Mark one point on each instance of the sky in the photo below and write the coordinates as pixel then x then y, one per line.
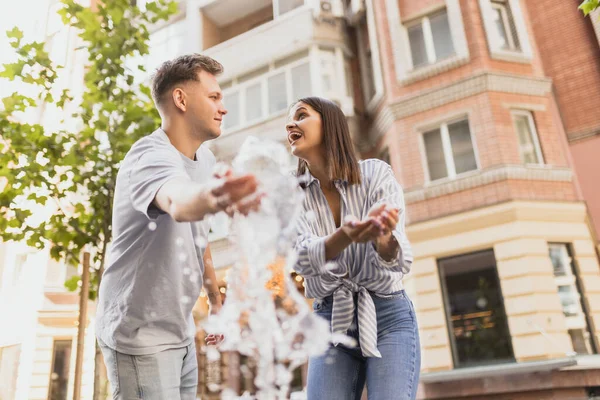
pixel 27 15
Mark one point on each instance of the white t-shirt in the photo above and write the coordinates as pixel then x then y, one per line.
pixel 155 265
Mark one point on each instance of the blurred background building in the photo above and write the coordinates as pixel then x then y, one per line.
pixel 487 112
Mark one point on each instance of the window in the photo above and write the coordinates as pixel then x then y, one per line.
pixel 430 39
pixel 301 84
pixel 364 42
pixel 506 31
pixel 59 377
pixel 232 104
pixel 277 93
pixel 474 304
pixel 568 288
pixel 529 146
pixel 257 96
pixel 449 150
pixel 369 58
pixel 505 26
pixel 328 70
pixel 253 97
pixel 9 368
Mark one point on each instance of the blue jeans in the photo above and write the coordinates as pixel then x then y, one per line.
pixel 341 372
pixel 168 375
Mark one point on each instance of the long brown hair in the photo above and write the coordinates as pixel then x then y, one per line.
pixel 339 152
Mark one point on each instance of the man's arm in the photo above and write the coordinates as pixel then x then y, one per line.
pixel 186 201
pixel 210 283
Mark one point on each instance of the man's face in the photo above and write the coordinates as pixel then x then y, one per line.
pixel 205 109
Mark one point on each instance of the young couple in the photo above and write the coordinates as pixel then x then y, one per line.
pixel 160 258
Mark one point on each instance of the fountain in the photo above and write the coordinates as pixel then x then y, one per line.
pixel 264 316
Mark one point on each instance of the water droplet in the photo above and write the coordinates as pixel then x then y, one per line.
pixel 179 241
pixel 310 216
pixel 212 354
pixel 185 299
pixel 152 226
pixel 200 242
pixel 213 387
pixel 182 257
pixel 186 271
pixel 152 314
pixel 208 281
pixel 329 360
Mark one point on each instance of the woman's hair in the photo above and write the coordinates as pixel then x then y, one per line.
pixel 339 152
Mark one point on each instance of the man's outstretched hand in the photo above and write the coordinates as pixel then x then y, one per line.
pixel 235 194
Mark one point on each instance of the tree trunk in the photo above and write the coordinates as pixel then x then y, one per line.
pixel 83 304
pixel 100 375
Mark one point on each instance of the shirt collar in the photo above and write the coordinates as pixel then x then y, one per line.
pixel 308 179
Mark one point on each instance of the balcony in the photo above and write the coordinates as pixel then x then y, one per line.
pixel 258 102
pixel 246 35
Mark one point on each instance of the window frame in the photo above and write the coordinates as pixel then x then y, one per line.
pixel 405 71
pixel 55 341
pixel 447 149
pixel 502 7
pixel 533 131
pixel 429 42
pixel 572 278
pixel 447 307
pixel 524 54
pixel 372 102
pixel 263 81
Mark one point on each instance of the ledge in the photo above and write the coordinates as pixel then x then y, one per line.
pixel 480 82
pixel 479 178
pixel 498 370
pixel 440 67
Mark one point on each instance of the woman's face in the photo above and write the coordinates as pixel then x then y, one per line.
pixel 304 131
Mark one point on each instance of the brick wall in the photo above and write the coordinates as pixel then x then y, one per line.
pixel 479 58
pixel 571 57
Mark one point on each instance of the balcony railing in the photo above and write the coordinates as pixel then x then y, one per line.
pixel 272 40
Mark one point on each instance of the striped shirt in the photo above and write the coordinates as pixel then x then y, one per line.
pixel 359 268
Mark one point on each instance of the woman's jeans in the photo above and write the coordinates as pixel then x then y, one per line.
pixel 341 372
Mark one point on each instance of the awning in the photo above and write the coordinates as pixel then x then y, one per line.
pixel 505 369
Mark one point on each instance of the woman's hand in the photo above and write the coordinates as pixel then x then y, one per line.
pixel 387 217
pixel 361 231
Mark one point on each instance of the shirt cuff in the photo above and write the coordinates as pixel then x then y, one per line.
pixel 396 261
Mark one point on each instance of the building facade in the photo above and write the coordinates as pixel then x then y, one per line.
pixel 39 316
pixel 477 119
pixel 484 109
pixel 475 103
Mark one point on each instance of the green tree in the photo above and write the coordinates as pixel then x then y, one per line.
pixel 587 6
pixel 74 171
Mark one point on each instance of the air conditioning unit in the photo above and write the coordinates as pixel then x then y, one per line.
pixel 331 8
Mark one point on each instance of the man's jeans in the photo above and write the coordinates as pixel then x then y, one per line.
pixel 340 373
pixel 168 375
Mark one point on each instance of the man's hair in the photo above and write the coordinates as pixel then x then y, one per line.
pixel 339 152
pixel 181 69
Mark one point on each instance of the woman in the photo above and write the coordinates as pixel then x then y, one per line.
pixel 353 252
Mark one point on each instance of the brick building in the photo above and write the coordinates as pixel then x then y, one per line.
pixel 487 117
pixel 485 109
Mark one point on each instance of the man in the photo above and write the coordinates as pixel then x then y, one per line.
pixel 159 257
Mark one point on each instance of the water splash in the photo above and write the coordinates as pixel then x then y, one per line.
pixel 264 316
